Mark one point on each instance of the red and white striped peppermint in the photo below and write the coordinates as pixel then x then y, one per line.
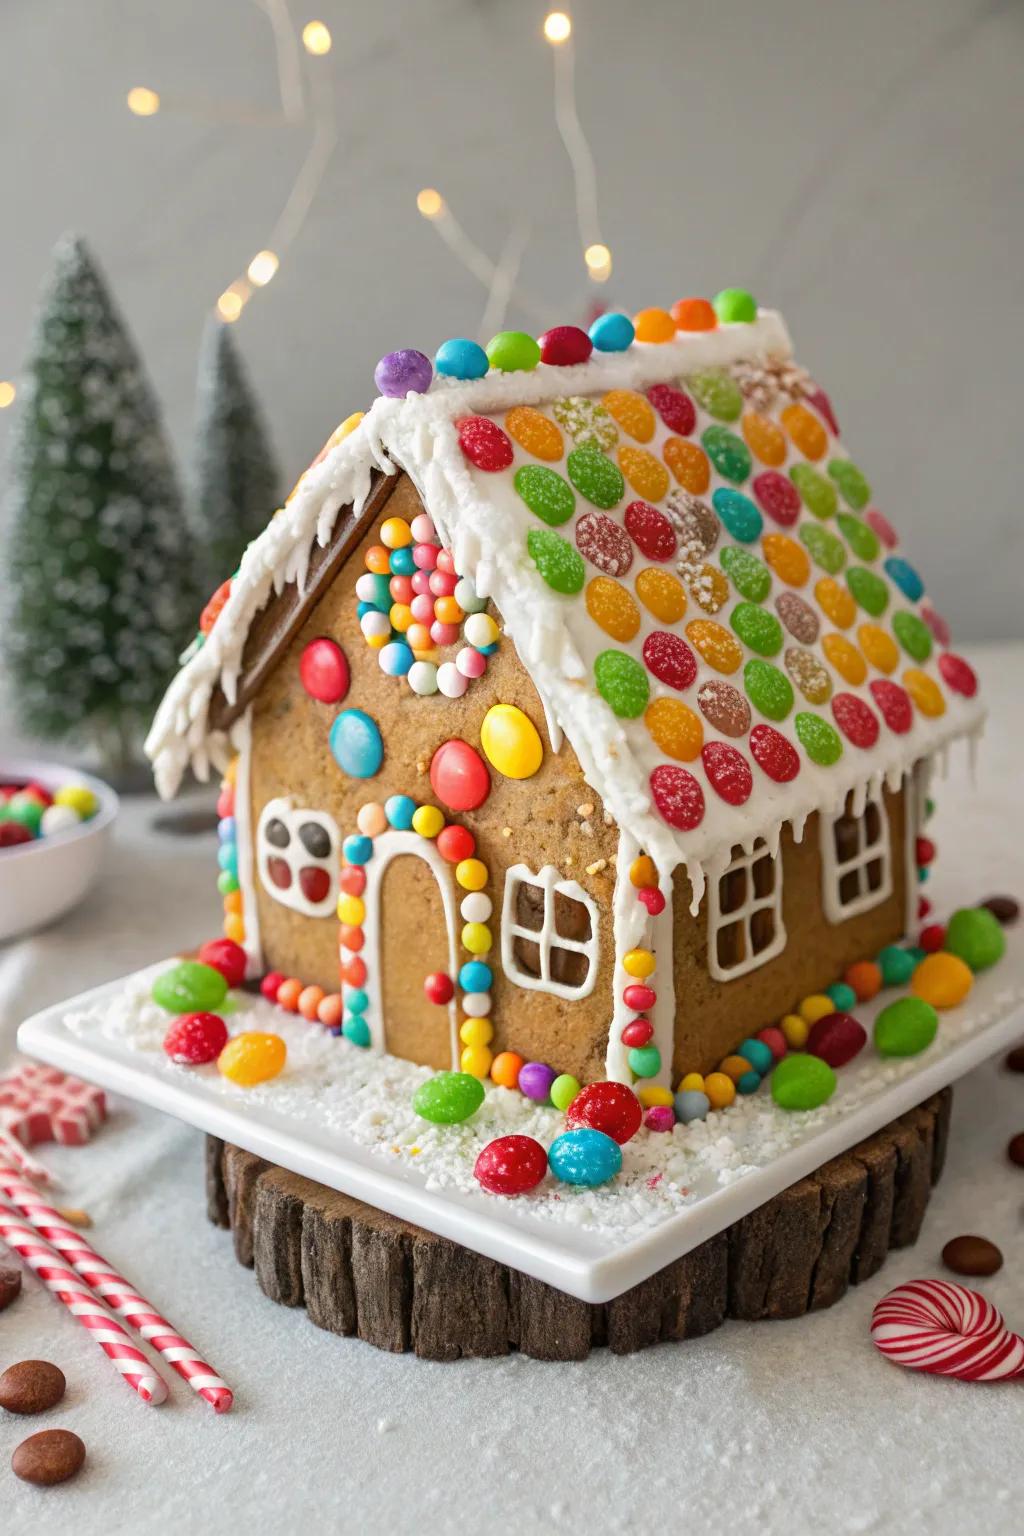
pixel 133 1365
pixel 39 1103
pixel 117 1292
pixel 936 1326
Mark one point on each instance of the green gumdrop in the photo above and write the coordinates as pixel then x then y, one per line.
pixel 513 352
pixel 595 476
pixel 644 1060
pixel 821 743
pixel 227 882
pixel 757 628
pixel 815 492
pixel 622 683
pixel 851 482
pixel 870 590
pixel 545 493
pixel 717 393
pixel 896 964
pixel 974 935
pixel 801 1081
pixel 560 565
pixel 728 453
pixel 26 810
pixel 913 634
pixel 563 1090
pixel 751 578
pixel 823 547
pixel 858 535
pixel 448 1098
pixel 191 987
pixel 906 1027
pixel 768 689
pixel 735 306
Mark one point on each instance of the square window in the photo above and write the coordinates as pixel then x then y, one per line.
pixel 745 927
pixel 549 937
pixel 856 859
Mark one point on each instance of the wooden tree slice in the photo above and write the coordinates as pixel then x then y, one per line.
pixel 361 1272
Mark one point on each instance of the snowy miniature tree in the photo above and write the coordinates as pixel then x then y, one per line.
pixel 236 482
pixel 102 593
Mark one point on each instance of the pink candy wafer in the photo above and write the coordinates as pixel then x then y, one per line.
pixel 945 1329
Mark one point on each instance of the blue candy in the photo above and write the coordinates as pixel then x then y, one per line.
pixel 750 1082
pixel 357 1001
pixel 401 562
pixel 355 742
pixel 612 333
pixel 356 1029
pixel 738 513
pixel 691 1104
pixel 226 829
pixel 395 659
pixel 357 849
pixel 460 358
pixel 843 996
pixel 758 1054
pixel 399 810
pixel 584 1157
pixel 905 577
pixel 476 976
pixel 227 858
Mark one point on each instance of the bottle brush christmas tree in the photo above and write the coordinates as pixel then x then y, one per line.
pixel 102 590
pixel 237 485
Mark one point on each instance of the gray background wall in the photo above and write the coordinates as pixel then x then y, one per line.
pixel 857 164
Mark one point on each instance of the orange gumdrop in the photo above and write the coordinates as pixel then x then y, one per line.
pixel 533 431
pixel 646 474
pixel 787 558
pixel 694 315
pixel 688 463
pixel 846 659
pixel 865 977
pixel 505 1069
pixel 806 431
pixel 654 325
pixel 764 439
pixel 632 412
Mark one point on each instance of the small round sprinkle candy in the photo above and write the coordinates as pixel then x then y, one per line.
pixel 735 306
pixel 511 1165
pixel 460 358
pixel 691 1104
pixel 586 1157
pixel 513 352
pixel 404 372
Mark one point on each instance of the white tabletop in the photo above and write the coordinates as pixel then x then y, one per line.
pixel 785 1427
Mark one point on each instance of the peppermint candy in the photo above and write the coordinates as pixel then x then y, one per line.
pixel 936 1326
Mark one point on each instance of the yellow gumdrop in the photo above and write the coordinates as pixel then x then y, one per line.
pixel 836 602
pixel 427 820
pixel 476 1060
pixel 661 594
pixel 806 431
pixel 534 432
pixel 787 558
pixel 395 533
pixel 632 412
pixel 925 692
pixel 764 439
pixel 477 938
pixel 693 1082
pixel 351 910
pixel 720 1089
pixel 476 1032
pixel 471 874
pixel 795 1029
pixel 675 729
pixel 715 644
pixel 612 608
pixel 234 927
pixel 816 1007
pixel 879 647
pixel 646 474
pixel 709 588
pixel 653 1095
pixel 846 659
pixel 638 962
pixel 511 742
pixel 688 463
pixel 252 1058
pixel 943 980
pixel 643 872
pixel 78 797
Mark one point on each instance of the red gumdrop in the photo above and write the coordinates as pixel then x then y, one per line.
pixel 211 613
pixel 858 723
pixel 638 1032
pixel 652 899
pixel 227 957
pixel 270 984
pixel 511 1165
pixel 894 704
pixel 932 938
pixel 676 410
pixel 438 988
pixel 670 659
pixel 639 996
pixel 196 1038
pixel 604 544
pixel 678 796
pixel 772 753
pixel 924 852
pixel 314 883
pixel 609 1107
pixel 323 670
pixel 484 444
pixel 881 525
pixel 728 772
pixel 455 843
pixel 458 776
pixel 650 530
pixel 836 1038
pixel 564 345
pixel 936 623
pixel 775 1040
pixel 353 879
pixel 12 833
pixel 777 496
pixel 958 675
pixel 823 405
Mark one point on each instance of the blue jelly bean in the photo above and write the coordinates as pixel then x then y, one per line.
pixel 399 810
pixel 401 562
pixel 356 744
pixel 460 358
pixel 357 849
pixel 226 829
pixel 357 1001
pixel 691 1104
pixel 476 976
pixel 750 1082
pixel 395 659
pixel 356 1029
pixel 584 1156
pixel 612 333
pixel 227 858
pixel 905 577
pixel 738 513
pixel 758 1054
pixel 844 997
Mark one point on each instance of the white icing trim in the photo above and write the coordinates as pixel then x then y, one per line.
pixel 833 871
pixel 717 919
pixel 297 856
pixel 245 843
pixel 913 807
pixel 387 846
pixel 629 923
pixel 546 937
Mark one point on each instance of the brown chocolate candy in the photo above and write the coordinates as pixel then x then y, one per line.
pixel 1005 909
pixel 10 1284
pixel 31 1386
pixel 50 1457
pixel 1015 1060
pixel 799 617
pixel 724 707
pixel 971 1255
pixel 1015 1149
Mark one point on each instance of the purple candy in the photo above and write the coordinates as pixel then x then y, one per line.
pixel 660 1117
pixel 535 1080
pixel 399 372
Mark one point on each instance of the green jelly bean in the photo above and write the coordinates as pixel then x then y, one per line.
pixel 896 964
pixel 870 590
pixel 560 565
pixel 622 683
pixel 735 306
pixel 545 493
pixel 728 453
pixel 801 1081
pixel 513 352
pixel 563 1090
pixel 974 935
pixel 906 1027
pixel 815 492
pixel 227 882
pixel 858 535
pixel 823 547
pixel 768 689
pixel 913 634
pixel 644 1060
pixel 851 482
pixel 190 987
pixel 717 393
pixel 821 743
pixel 448 1098
pixel 750 576
pixel 595 477
pixel 757 628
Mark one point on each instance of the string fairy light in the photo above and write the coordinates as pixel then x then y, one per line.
pixel 8 393
pixel 596 255
pixel 143 102
pixel 316 38
pixel 262 268
pixel 498 278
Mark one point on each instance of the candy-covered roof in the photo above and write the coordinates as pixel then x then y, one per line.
pixel 690 564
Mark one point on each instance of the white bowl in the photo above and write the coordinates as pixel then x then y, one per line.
pixel 41 880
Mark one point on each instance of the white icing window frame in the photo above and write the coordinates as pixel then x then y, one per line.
pixel 751 904
pixel 297 857
pixel 834 870
pixel 546 938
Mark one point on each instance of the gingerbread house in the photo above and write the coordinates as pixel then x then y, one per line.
pixel 580 710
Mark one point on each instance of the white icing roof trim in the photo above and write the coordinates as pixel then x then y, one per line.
pixel 418 435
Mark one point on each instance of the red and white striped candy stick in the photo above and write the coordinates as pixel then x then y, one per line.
pixel 117 1292
pixel 69 1288
pixel 19 1155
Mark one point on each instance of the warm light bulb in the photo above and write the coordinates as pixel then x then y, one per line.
pixel 232 302
pixel 557 27
pixel 142 101
pixel 430 202
pixel 599 262
pixel 7 394
pixel 262 268
pixel 316 38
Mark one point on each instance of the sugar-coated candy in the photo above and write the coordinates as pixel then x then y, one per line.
pixel 802 1081
pixel 715 644
pixel 735 306
pixel 612 608
pixel 661 594
pixel 677 795
pixel 738 513
pixel 768 689
pixel 660 1117
pixel 724 707
pixel 799 617
pixel 585 1157
pixel 611 1108
pixel 925 692
pixel 652 325
pixel 861 539
pixel 766 441
pixel 252 1058
pixel 846 658
pixel 691 1104
pixel 675 729
pixel 806 431
pixel 356 744
pixel 757 628
pixel 632 412
pixel 718 393
pixel 808 674
pixel 694 315
pixel 836 1038
pixel 511 742
pixel 773 754
pixel 604 543
pixel 556 560
pixel 484 444
pixel 728 772
pixel 852 484
pixel 196 1038
pixel 460 358
pixel 728 453
pixel 227 957
pixel 958 675
pixel 622 683
pixel 975 936
pixel 534 432
pixel 674 407
pixel 564 345
pixel 906 1027
pixel 688 463
pixel 448 1098
pixel 650 530
pixel 403 372
pixel 816 493
pixel 669 659
pixel 190 987
pixel 870 591
pixel 595 476
pixel 818 739
pixel 748 575
pixel 511 1165
pixel 879 647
